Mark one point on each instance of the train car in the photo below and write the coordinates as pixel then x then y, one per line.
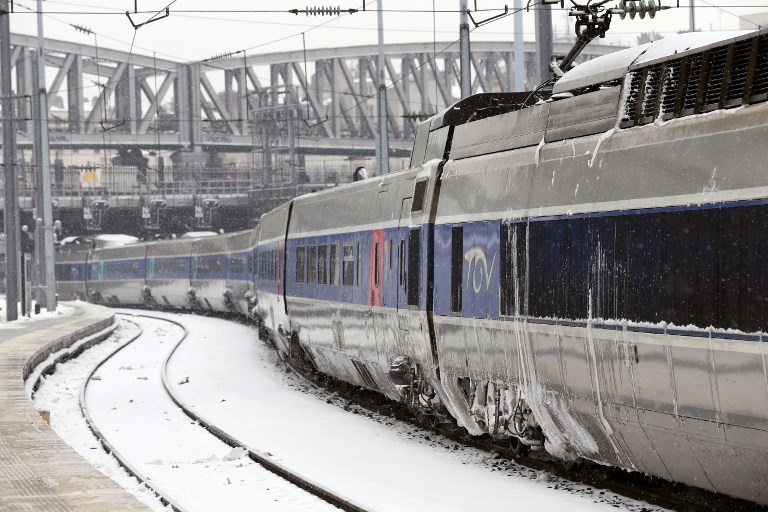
pixel 240 292
pixel 116 275
pixel 169 269
pixel 71 270
pixel 357 278
pixel 208 280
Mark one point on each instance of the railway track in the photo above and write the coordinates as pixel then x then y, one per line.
pixel 326 495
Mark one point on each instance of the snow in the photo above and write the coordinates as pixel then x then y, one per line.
pixel 61 310
pixel 683 42
pixel 198 234
pixel 238 383
pixel 113 240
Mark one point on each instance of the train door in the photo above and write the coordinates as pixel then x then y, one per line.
pixel 402 261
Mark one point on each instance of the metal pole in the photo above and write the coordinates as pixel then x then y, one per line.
pixel 544 40
pixel 383 148
pixel 290 103
pixel 519 47
pixel 693 18
pixel 466 74
pixel 12 240
pixel 44 221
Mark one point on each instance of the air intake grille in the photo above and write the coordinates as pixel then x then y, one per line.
pixel 650 94
pixel 738 77
pixel 720 77
pixel 669 89
pixel 632 84
pixel 692 85
pixel 717 66
pixel 365 374
pixel 760 81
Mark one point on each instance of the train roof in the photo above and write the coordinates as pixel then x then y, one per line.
pixel 615 65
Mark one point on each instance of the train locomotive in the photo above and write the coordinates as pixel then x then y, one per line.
pixel 582 271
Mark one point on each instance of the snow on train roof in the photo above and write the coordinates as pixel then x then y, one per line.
pixel 614 65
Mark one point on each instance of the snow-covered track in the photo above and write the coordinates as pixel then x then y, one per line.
pixel 323 493
pixel 165 498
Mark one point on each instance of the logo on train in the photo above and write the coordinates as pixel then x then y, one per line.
pixel 478 271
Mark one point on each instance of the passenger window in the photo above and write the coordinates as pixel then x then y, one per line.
pixel 349 265
pixel 300 264
pixel 334 265
pixel 322 264
pixel 457 262
pixel 311 264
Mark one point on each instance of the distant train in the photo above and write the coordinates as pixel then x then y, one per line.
pixel 588 273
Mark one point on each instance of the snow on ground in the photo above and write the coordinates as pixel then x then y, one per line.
pixel 238 383
pixel 59 394
pixel 129 406
pixel 61 309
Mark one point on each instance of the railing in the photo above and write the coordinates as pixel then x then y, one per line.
pixel 91 181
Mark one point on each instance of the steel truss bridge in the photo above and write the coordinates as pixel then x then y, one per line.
pixel 101 98
pixel 147 102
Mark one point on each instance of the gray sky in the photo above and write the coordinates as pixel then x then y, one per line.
pixel 198 29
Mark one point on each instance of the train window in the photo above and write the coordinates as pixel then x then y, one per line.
pixel 376 265
pixel 457 262
pixel 348 265
pixel 311 264
pixel 414 256
pixel 62 272
pixel 170 267
pixel 300 263
pixel 121 270
pixel 358 259
pixel 322 264
pixel 210 266
pixel 419 194
pixel 334 264
pixel 274 265
pixel 236 265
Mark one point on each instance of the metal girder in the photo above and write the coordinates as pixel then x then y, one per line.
pixel 338 96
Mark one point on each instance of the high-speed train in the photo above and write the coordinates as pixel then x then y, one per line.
pixel 587 272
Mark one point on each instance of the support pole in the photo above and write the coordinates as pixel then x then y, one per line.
pixel 544 40
pixel 382 153
pixel 43 201
pixel 466 75
pixel 519 47
pixel 693 17
pixel 290 104
pixel 12 231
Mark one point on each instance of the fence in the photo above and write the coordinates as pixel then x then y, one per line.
pixel 181 180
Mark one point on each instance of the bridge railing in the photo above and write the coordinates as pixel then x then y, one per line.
pixel 93 181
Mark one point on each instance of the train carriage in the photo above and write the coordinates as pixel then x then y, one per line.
pixel 208 281
pixel 169 268
pixel 116 274
pixel 240 292
pixel 71 271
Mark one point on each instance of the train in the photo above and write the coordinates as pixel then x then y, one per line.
pixel 584 270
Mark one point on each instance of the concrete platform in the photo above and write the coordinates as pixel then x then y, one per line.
pixel 38 470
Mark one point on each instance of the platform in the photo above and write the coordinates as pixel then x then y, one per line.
pixel 38 470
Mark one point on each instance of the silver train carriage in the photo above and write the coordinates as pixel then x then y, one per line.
pixel 584 273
